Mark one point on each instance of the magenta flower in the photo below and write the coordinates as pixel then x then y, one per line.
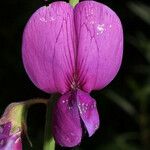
pixel 9 141
pixel 73 51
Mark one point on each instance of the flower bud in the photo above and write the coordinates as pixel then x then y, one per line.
pixel 8 140
pixel 11 127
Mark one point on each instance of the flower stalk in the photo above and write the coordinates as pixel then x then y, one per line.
pixel 49 143
pixel 73 2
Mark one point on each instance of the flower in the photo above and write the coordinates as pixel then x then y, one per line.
pixel 9 141
pixel 73 51
pixel 12 123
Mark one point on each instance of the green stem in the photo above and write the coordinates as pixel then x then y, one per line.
pixel 73 2
pixel 36 101
pixel 49 143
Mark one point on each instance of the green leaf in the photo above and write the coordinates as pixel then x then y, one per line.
pixel 49 143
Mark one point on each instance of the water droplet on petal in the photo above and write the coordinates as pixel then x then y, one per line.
pixel 65 101
pixel 69 108
pixel 43 19
pixel 100 28
pixel 96 126
pixel 92 22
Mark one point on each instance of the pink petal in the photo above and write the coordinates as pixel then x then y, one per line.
pixel 88 111
pixel 18 144
pixel 48 47
pixel 66 125
pixel 100 44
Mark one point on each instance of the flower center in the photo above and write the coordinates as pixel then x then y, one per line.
pixel 75 84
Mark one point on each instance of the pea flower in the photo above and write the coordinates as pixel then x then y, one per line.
pixel 9 141
pixel 73 51
pixel 11 127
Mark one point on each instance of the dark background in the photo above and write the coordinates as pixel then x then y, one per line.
pixel 124 105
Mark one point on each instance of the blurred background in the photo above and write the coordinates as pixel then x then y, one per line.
pixel 124 105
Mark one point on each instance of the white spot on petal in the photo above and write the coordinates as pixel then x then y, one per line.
pixel 96 126
pixel 100 28
pixel 43 19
